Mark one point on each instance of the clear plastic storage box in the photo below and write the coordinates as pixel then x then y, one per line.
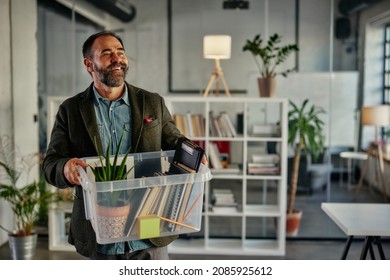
pixel 147 204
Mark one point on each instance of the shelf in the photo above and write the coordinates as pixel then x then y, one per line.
pixel 265 247
pixel 262 210
pixel 254 111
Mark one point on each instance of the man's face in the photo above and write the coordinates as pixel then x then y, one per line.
pixel 109 62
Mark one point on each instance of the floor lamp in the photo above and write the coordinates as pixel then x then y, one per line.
pixel 217 47
pixel 377 116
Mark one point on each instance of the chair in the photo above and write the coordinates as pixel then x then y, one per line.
pixel 312 175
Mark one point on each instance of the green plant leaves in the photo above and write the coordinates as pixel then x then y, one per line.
pixel 114 171
pixel 306 127
pixel 270 55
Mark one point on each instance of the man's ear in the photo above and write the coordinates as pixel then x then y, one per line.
pixel 88 64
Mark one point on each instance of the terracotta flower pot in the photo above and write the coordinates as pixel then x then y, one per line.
pixel 267 86
pixel 293 221
pixel 112 220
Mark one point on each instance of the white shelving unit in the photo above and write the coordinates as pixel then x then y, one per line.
pixel 259 225
pixel 260 221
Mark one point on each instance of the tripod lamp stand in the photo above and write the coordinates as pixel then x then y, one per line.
pixel 377 116
pixel 216 47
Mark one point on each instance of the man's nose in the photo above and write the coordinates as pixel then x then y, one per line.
pixel 116 58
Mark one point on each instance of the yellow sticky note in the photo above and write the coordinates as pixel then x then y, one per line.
pixel 149 226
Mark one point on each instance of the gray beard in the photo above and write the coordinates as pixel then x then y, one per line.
pixel 110 79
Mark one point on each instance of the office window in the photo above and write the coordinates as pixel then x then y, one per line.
pixel 386 70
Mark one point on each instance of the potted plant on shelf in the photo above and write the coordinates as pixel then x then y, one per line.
pixel 25 200
pixel 305 135
pixel 268 57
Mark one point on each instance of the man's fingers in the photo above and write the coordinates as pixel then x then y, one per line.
pixel 70 170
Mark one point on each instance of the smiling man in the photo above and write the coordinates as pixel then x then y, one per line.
pixel 101 112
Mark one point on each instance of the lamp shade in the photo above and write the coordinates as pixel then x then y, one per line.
pixel 217 46
pixel 376 115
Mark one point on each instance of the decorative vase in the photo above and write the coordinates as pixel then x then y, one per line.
pixel 293 221
pixel 267 86
pixel 112 220
pixel 23 247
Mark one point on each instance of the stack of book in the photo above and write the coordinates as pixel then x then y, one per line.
pixel 223 201
pixel 221 125
pixel 262 130
pixel 264 164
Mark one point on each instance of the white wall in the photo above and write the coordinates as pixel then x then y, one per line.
pixel 19 80
pixel 5 96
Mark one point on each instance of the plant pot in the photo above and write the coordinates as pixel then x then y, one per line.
pixel 267 86
pixel 112 220
pixel 293 221
pixel 23 247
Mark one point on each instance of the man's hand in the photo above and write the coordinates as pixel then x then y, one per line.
pixel 70 171
pixel 204 160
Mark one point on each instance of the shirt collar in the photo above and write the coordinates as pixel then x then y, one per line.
pixel 124 97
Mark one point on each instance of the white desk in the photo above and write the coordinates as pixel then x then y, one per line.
pixel 361 219
pixel 350 156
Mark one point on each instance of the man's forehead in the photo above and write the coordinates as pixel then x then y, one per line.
pixel 107 42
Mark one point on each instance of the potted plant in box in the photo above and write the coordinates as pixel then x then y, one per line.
pixel 268 57
pixel 305 134
pixel 112 205
pixel 25 200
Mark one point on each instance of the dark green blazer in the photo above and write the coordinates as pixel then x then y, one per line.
pixel 73 135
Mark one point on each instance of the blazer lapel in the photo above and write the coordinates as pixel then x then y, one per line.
pixel 87 111
pixel 137 104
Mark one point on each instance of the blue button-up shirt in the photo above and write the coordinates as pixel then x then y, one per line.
pixel 112 117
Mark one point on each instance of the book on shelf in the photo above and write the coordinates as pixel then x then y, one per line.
pixel 180 123
pixel 223 197
pixel 224 209
pixel 190 125
pixel 265 158
pixel 195 125
pixel 229 127
pixel 221 125
pixel 215 156
pixel 265 130
pixel 231 169
pixel 263 168
pixel 223 201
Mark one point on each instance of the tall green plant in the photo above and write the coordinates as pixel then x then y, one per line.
pixel 107 171
pixel 111 172
pixel 305 135
pixel 270 55
pixel 25 201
